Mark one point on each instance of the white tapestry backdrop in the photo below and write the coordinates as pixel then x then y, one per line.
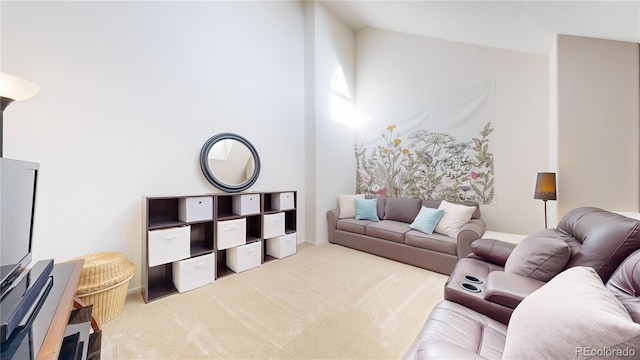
pixel 433 148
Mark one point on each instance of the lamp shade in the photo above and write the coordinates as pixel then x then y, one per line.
pixel 545 186
pixel 14 88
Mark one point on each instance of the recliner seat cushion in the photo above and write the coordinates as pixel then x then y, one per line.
pixel 454 331
pixel 568 316
pixel 539 256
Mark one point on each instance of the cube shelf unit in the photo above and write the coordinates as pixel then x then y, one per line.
pixel 224 211
pixel 163 213
pixel 290 218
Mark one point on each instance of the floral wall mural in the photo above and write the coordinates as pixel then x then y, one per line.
pixel 434 164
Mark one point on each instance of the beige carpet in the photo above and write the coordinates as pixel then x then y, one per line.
pixel 325 302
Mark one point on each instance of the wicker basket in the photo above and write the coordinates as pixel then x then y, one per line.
pixel 104 282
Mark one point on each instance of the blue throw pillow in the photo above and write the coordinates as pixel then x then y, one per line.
pixel 367 209
pixel 426 220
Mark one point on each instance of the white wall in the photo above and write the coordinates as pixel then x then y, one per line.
pixel 130 91
pixel 598 86
pixel 394 67
pixel 330 143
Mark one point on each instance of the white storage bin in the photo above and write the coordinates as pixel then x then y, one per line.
pixel 283 201
pixel 246 204
pixel 231 233
pixel 244 257
pixel 282 246
pixel 193 273
pixel 168 245
pixel 195 208
pixel 272 225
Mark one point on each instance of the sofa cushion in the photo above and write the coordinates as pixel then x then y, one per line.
pixel 347 205
pixel 435 242
pixel 436 203
pixel 366 209
pixel 453 218
pixel 539 256
pixel 402 209
pixel 426 220
pixel 570 316
pixel 388 230
pixel 453 331
pixel 353 225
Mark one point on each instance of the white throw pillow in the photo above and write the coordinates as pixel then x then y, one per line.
pixel 453 218
pixel 347 205
pixel 572 316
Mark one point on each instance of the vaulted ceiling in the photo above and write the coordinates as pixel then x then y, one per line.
pixel 528 26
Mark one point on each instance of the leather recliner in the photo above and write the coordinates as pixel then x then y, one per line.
pixel 454 331
pixel 597 238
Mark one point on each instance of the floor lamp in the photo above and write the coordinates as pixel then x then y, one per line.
pixel 13 89
pixel 545 190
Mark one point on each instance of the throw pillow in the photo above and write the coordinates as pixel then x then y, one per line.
pixel 426 220
pixel 367 209
pixel 453 218
pixel 571 316
pixel 539 256
pixel 347 205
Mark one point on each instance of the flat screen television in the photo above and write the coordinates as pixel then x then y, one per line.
pixel 18 183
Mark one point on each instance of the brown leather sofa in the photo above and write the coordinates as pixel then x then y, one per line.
pixel 590 237
pixel 473 325
pixel 391 237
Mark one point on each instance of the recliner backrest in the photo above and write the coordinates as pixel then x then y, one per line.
pixel 625 285
pixel 598 238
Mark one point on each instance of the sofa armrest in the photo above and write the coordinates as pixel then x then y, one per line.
pixel 469 232
pixel 492 250
pixel 509 289
pixel 332 223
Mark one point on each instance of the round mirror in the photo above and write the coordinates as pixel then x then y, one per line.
pixel 229 162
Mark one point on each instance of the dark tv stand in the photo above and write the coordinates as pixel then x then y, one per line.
pixel 43 336
pixel 19 302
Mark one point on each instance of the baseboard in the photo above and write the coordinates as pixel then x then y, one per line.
pixel 134 290
pixel 315 242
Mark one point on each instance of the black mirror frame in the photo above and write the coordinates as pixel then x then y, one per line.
pixel 208 174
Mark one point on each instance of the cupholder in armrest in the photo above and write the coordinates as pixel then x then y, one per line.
pixel 470 287
pixel 472 279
